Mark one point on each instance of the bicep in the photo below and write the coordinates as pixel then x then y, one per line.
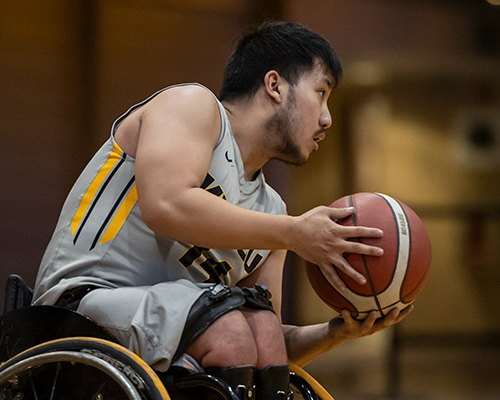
pixel 178 133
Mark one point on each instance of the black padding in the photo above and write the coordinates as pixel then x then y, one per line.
pixel 272 382
pixel 29 326
pixel 17 294
pixel 240 379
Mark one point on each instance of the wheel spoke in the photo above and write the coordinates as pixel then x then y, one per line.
pixel 30 376
pixel 97 395
pixel 55 381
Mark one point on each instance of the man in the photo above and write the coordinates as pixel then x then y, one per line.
pixel 172 240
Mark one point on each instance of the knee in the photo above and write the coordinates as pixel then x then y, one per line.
pixel 268 335
pixel 228 342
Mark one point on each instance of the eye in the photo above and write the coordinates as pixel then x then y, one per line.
pixel 322 93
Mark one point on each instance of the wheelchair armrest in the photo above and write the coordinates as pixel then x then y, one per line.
pixel 17 294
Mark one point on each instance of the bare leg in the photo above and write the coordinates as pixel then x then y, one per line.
pixel 246 337
pixel 268 336
pixel 228 342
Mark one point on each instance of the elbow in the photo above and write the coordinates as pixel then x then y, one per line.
pixel 158 218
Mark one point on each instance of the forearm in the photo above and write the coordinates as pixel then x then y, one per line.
pixel 306 343
pixel 200 218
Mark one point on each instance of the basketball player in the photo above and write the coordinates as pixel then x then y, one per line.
pixel 173 241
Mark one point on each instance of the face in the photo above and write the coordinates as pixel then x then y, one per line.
pixel 300 124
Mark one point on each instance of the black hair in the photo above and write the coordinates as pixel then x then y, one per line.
pixel 286 47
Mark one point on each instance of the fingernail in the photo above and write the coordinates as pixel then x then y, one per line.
pixel 380 252
pixel 349 209
pixel 362 280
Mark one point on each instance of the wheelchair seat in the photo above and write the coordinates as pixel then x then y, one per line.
pixel 48 352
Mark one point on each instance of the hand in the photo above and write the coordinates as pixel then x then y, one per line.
pixel 345 327
pixel 323 242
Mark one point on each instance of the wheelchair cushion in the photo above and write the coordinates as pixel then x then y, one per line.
pixel 17 294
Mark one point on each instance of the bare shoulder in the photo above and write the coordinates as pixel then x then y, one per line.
pixel 189 107
pixel 194 101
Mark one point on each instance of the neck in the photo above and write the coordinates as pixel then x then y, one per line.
pixel 248 127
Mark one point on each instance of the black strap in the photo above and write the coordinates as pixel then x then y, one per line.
pixel 213 304
pixel 70 299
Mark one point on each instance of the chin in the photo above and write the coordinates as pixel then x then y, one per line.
pixel 297 161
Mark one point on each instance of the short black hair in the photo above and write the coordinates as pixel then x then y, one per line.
pixel 286 47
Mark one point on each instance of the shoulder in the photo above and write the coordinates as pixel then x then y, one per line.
pixel 187 97
pixel 184 106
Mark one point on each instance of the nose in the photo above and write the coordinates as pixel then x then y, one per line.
pixel 325 119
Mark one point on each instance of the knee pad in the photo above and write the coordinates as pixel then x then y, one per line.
pixel 213 304
pixel 240 379
pixel 272 383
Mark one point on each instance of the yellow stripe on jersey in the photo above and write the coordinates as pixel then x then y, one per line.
pixel 120 216
pixel 113 158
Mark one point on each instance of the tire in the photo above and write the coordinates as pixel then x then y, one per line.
pixel 80 368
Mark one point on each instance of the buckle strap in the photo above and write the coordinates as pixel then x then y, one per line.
pixel 213 303
pixel 71 298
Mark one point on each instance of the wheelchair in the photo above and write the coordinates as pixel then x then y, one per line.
pixel 51 353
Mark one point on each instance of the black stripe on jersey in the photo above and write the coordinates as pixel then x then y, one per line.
pixel 98 195
pixel 112 211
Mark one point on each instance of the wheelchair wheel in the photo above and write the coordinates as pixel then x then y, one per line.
pixel 79 368
pixel 304 386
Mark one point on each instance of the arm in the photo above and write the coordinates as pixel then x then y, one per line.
pixel 270 275
pixel 306 343
pixel 178 131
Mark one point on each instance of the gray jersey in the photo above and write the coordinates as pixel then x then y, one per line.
pixel 101 239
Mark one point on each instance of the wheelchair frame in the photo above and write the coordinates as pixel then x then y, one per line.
pixel 49 353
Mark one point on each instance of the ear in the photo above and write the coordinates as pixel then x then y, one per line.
pixel 272 84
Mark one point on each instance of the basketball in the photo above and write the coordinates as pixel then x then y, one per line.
pixel 393 280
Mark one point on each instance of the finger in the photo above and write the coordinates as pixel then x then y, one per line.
pixel 360 248
pixel 339 213
pixel 350 323
pixel 360 231
pixel 348 318
pixel 390 319
pixel 404 313
pixel 332 277
pixel 342 264
pixel 369 321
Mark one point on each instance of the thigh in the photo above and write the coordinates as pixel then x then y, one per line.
pixel 148 320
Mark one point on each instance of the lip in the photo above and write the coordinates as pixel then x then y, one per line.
pixel 320 135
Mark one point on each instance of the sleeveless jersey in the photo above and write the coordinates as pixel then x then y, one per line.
pixel 101 239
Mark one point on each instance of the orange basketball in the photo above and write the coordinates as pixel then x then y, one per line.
pixel 393 280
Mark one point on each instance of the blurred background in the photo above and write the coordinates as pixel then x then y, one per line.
pixel 417 117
